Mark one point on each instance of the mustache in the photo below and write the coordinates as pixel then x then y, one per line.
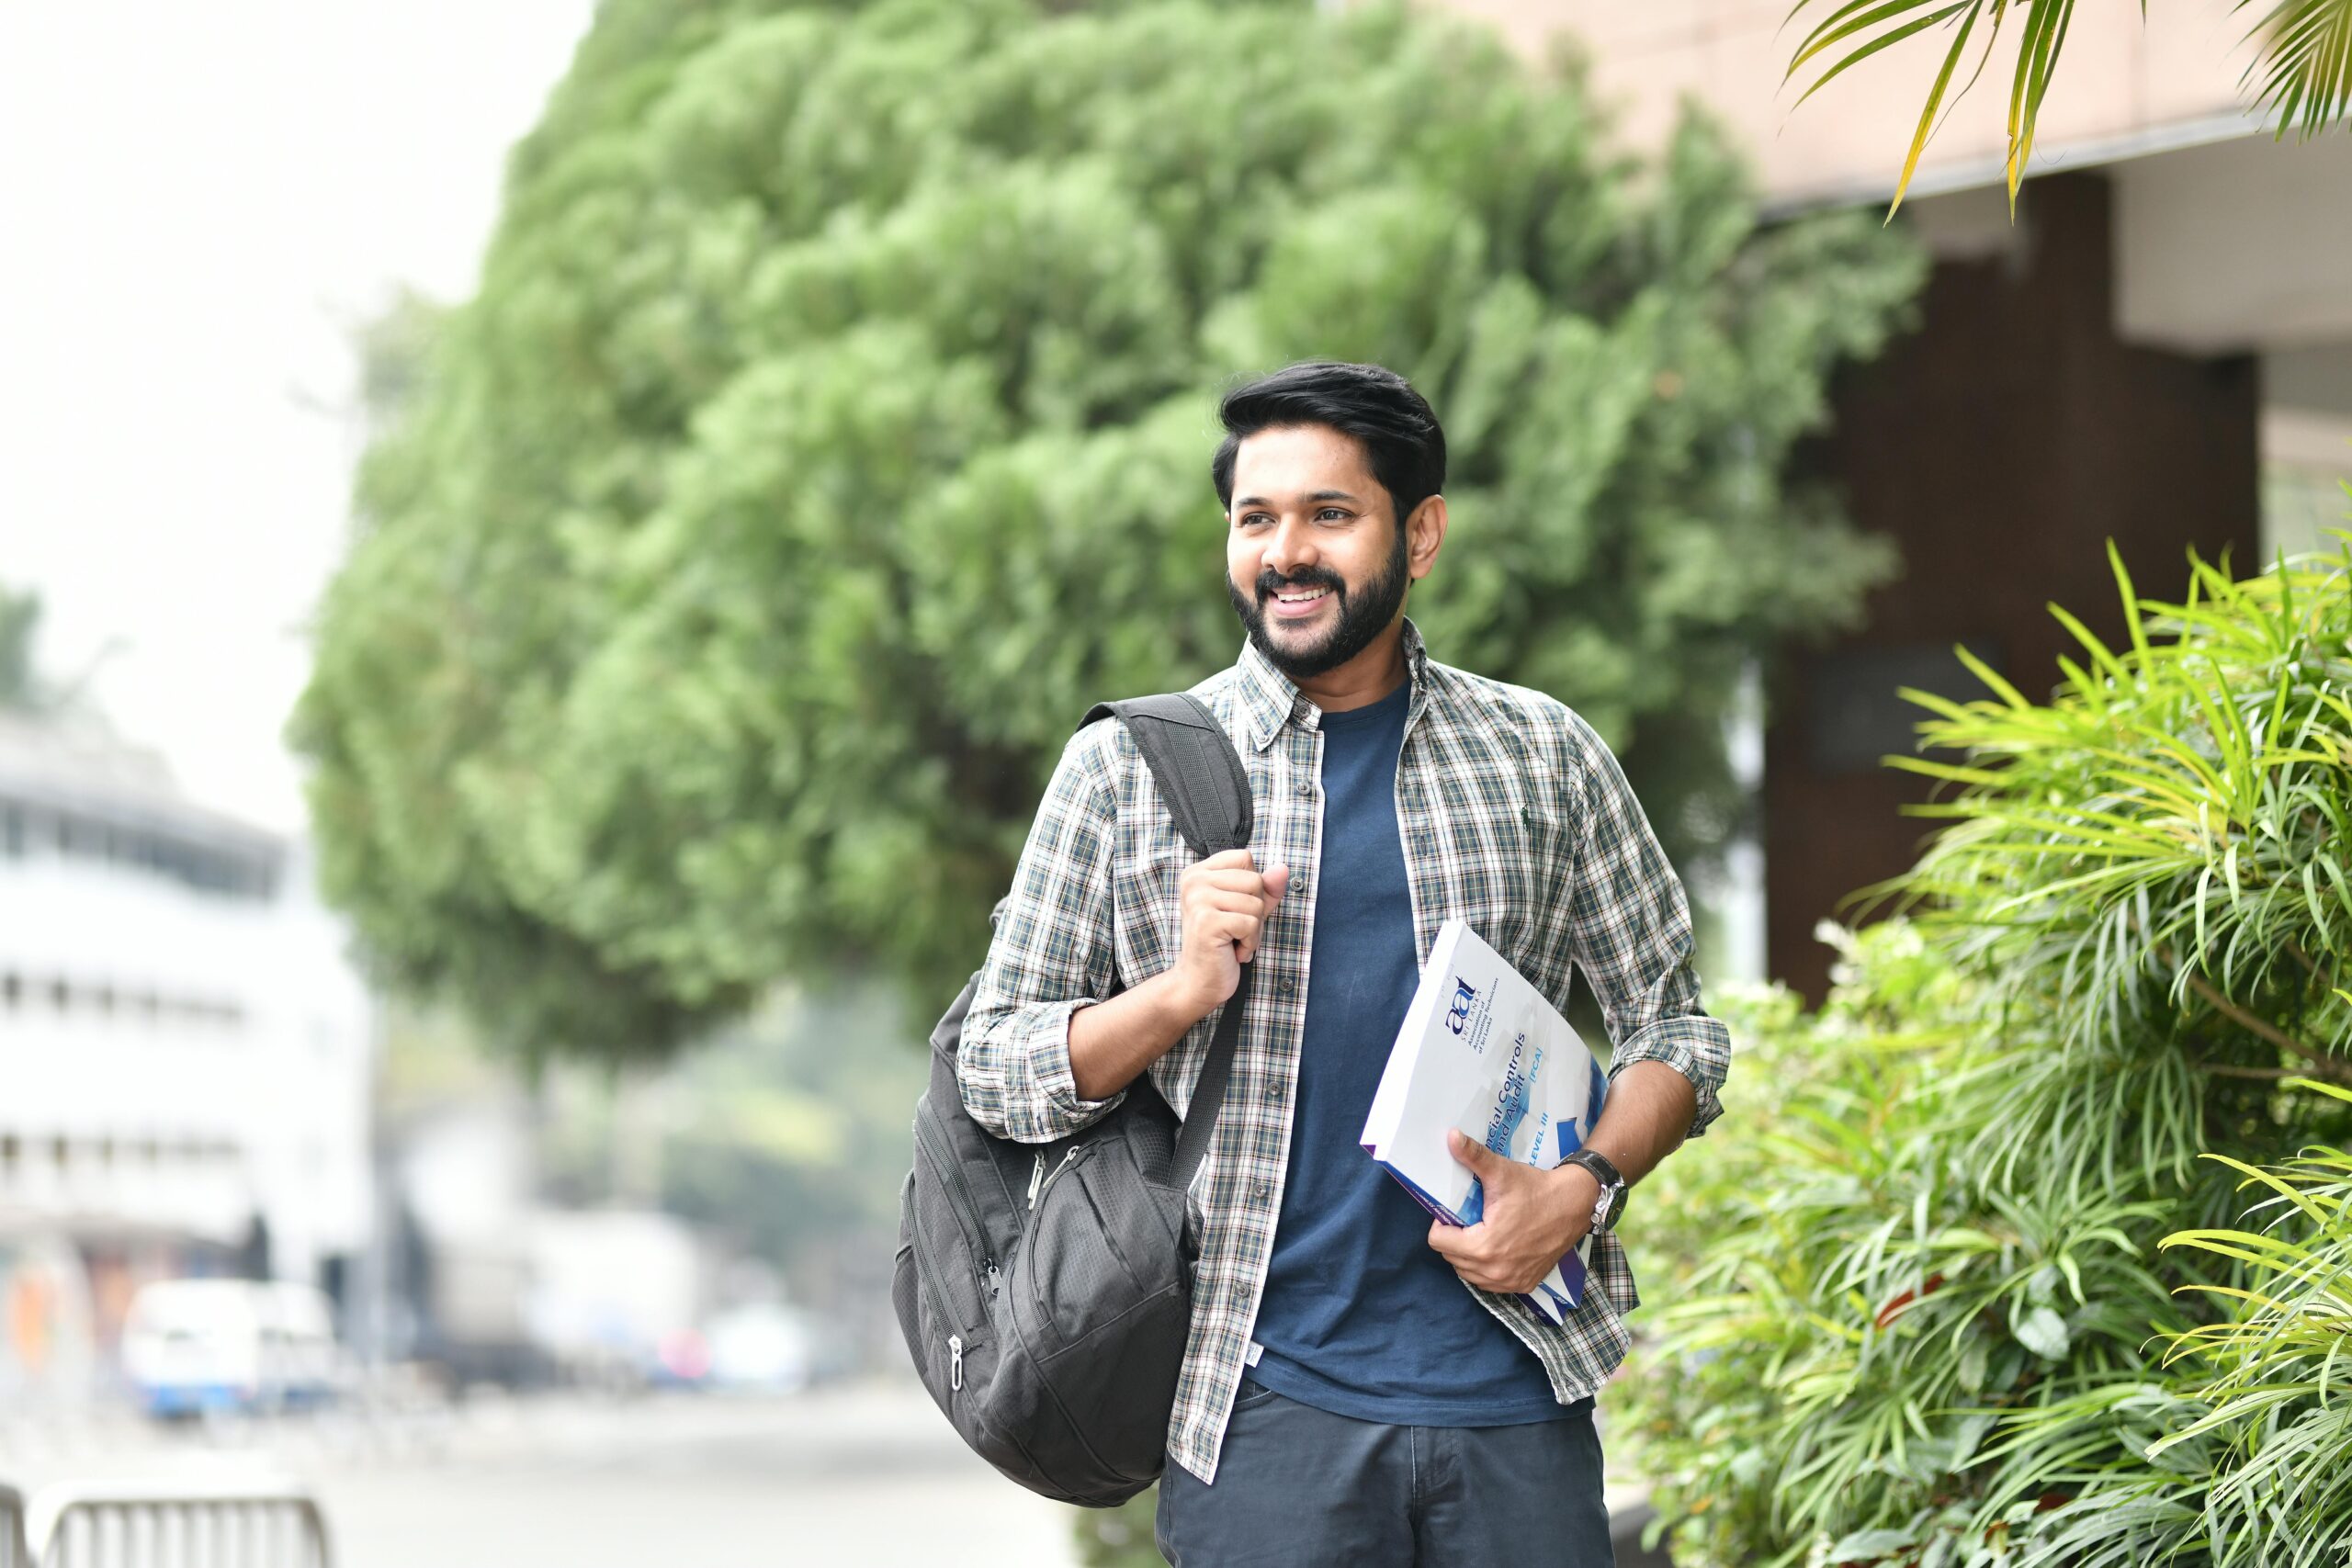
pixel 1271 582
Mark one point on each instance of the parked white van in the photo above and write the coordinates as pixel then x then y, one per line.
pixel 192 1346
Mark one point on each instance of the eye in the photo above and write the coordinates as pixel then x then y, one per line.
pixel 1332 514
pixel 1253 518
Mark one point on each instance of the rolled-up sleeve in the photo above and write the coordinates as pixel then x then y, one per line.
pixel 1630 934
pixel 1052 954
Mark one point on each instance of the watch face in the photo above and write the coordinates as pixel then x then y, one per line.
pixel 1612 1204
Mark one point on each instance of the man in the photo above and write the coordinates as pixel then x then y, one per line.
pixel 1344 1397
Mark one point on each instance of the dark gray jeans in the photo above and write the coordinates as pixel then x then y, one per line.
pixel 1298 1487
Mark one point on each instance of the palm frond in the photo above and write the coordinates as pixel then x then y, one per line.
pixel 2305 65
pixel 2303 73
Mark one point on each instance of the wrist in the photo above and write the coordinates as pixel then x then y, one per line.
pixel 1189 997
pixel 1606 1183
pixel 1575 1192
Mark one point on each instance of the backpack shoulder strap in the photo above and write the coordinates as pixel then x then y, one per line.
pixel 1193 763
pixel 1201 777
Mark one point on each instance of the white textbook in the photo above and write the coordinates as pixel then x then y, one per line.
pixel 1483 1051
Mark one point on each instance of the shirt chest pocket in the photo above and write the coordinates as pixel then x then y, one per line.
pixel 1501 860
pixel 1546 874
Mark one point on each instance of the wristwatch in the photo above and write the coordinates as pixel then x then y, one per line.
pixel 1611 1202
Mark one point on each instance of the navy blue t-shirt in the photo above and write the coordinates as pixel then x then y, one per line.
pixel 1359 1315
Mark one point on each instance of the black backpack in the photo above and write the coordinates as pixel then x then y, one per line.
pixel 1045 1289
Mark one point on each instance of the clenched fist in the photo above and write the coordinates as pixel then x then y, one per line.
pixel 1225 903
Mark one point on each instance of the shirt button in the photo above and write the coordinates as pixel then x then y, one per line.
pixel 1265 1190
pixel 1273 1094
pixel 1285 986
pixel 1306 790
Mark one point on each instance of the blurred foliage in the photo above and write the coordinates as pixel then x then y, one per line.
pixel 831 428
pixel 1121 1537
pixel 785 1138
pixel 1956 1286
pixel 2304 68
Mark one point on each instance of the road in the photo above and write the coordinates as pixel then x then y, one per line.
pixel 860 1475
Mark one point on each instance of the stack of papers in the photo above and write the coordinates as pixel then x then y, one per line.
pixel 1482 1050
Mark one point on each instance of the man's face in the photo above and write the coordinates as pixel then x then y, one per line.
pixel 1315 556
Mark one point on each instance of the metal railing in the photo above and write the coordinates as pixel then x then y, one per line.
pixel 14 1553
pixel 164 1525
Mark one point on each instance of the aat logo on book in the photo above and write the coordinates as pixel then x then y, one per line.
pixel 1458 1014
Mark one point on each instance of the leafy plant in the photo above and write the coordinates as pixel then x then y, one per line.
pixel 2166 846
pixel 2280 1388
pixel 2305 67
pixel 1964 1290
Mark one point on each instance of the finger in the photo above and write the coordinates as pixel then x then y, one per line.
pixel 1240 930
pixel 1229 860
pixel 1244 881
pixel 1477 1157
pixel 1277 882
pixel 1460 1244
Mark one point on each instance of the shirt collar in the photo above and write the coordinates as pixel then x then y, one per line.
pixel 1271 699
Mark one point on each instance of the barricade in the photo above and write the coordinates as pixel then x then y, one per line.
pixel 173 1524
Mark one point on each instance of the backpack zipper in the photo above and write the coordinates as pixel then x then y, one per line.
pixel 939 1311
pixel 1039 1187
pixel 967 1216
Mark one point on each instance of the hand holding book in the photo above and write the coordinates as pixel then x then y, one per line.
pixel 1531 1218
pixel 1488 1089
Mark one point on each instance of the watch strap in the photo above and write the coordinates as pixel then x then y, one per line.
pixel 1612 1201
pixel 1598 1163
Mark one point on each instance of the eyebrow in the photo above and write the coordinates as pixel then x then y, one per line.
pixel 1317 495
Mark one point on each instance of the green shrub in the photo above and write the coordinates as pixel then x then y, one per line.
pixel 1922 1311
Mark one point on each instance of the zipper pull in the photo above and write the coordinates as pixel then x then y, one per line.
pixel 1037 1179
pixel 996 1280
pixel 956 1361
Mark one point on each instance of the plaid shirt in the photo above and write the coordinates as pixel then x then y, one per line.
pixel 1514 817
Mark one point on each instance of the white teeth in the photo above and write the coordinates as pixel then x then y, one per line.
pixel 1301 598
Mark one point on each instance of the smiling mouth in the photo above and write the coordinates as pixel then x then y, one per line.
pixel 1296 604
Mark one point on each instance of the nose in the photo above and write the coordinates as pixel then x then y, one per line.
pixel 1291 546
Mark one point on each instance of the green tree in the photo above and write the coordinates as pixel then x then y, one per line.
pixel 832 426
pixel 2303 72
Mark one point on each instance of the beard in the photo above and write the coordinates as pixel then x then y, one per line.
pixel 1360 617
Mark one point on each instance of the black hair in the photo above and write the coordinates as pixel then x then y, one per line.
pixel 1379 408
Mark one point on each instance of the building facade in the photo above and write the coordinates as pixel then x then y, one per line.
pixel 185 1051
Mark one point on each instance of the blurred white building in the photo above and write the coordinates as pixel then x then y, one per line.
pixel 185 1051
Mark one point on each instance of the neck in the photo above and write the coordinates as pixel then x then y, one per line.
pixel 1365 679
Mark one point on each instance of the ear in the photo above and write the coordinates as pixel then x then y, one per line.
pixel 1424 537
